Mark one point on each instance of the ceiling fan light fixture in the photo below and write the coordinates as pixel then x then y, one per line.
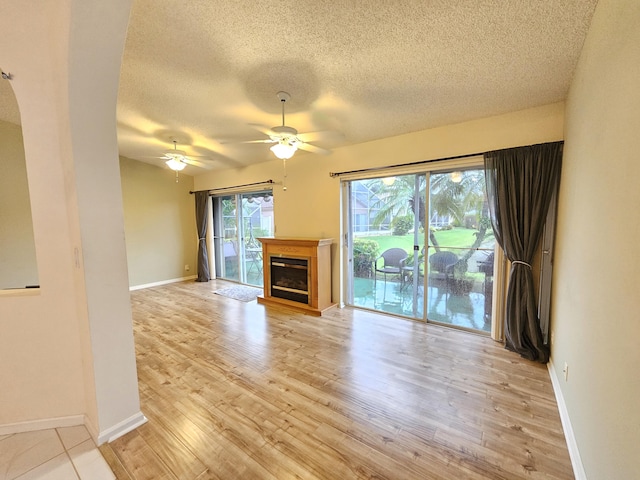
pixel 456 177
pixel 175 164
pixel 175 157
pixel 283 150
pixel 388 181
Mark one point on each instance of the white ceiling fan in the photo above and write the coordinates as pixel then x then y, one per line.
pixel 177 160
pixel 286 139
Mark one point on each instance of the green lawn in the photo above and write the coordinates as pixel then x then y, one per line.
pixel 456 237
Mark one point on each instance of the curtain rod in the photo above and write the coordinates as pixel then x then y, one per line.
pixel 410 164
pixel 422 162
pixel 266 182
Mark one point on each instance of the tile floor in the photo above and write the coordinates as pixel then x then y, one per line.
pixel 56 454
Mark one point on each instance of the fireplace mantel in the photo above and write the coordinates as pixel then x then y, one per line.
pixel 307 255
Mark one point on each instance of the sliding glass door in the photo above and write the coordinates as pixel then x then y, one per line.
pixel 460 251
pixel 239 220
pixel 421 246
pixel 387 244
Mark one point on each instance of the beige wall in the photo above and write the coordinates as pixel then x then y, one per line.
pixel 40 346
pixel 66 350
pixel 18 266
pixel 310 207
pixel 160 224
pixel 159 219
pixel 596 294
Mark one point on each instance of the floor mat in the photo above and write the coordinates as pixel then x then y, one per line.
pixel 240 292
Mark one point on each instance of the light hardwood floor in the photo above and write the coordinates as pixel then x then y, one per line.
pixel 240 390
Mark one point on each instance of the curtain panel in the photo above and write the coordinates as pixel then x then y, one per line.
pixel 520 184
pixel 202 220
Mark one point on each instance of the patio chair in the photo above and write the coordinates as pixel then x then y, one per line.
pixel 442 267
pixel 391 265
pixel 253 255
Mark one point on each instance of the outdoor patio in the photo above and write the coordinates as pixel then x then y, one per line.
pixel 467 310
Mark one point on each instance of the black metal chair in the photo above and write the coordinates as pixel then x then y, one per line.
pixel 391 265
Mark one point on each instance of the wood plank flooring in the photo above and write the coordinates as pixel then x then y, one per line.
pixel 241 390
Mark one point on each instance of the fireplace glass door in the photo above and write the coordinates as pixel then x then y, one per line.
pixel 290 278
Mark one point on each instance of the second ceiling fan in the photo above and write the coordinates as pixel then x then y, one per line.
pixel 286 139
pixel 177 160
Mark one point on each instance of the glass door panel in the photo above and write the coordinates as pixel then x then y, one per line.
pixel 238 221
pixel 460 251
pixel 257 221
pixel 386 235
pixel 227 251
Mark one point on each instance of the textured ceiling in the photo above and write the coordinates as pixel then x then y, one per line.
pixel 202 71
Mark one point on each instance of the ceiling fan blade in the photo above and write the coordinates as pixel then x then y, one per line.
pixel 319 136
pixel 196 163
pixel 202 163
pixel 312 148
pixel 267 140
pixel 236 142
pixel 263 129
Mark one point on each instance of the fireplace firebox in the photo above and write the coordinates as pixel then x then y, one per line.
pixel 297 273
pixel 290 278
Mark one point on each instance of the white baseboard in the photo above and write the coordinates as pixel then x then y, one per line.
pixel 162 282
pixel 42 424
pixel 122 428
pixel 108 435
pixel 574 453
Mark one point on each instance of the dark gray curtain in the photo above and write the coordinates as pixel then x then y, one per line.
pixel 520 184
pixel 202 221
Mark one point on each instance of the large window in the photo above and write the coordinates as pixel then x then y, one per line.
pixel 421 245
pixel 239 220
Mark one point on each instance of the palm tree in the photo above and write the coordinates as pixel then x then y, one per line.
pixel 455 199
pixel 396 198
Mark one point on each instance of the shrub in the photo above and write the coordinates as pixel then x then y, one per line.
pixel 402 225
pixel 364 254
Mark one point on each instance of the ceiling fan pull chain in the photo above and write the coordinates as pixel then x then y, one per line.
pixel 284 177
